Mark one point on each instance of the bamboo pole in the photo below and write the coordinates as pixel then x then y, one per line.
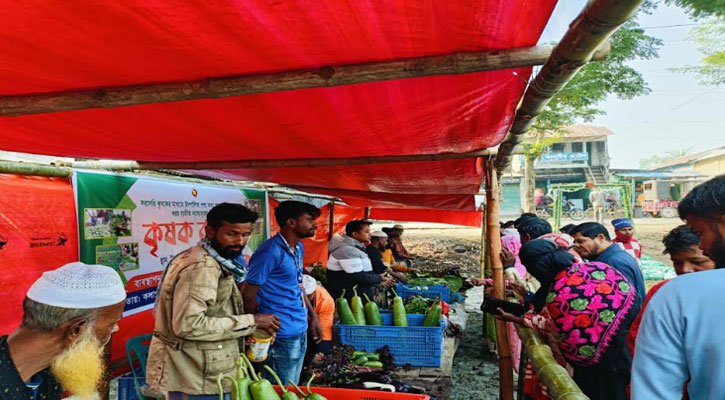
pixel 332 221
pixel 10 167
pixel 586 35
pixel 561 385
pixel 241 85
pixel 493 237
pixel 20 168
pixel 126 166
pixel 482 257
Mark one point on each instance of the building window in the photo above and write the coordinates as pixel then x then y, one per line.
pixel 557 147
pixel 577 147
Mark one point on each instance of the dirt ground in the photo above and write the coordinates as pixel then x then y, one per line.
pixel 475 371
pixel 437 246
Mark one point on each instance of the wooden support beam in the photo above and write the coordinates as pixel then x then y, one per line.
pixel 242 85
pixel 493 238
pixel 285 163
pixel 482 257
pixel 586 36
pixel 11 167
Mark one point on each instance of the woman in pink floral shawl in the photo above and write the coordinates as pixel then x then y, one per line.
pixel 588 306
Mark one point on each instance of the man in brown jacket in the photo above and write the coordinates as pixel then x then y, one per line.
pixel 199 313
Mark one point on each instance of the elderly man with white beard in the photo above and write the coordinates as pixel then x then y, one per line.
pixel 69 315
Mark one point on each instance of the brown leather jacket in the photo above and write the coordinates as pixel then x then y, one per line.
pixel 199 322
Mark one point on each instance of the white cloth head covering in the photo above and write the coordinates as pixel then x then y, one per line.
pixel 310 284
pixel 379 234
pixel 78 285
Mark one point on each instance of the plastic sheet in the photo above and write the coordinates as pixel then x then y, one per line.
pixel 467 218
pixel 109 43
pixel 38 233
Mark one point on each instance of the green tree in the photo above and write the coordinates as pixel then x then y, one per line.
pixel 701 8
pixel 655 160
pixel 709 39
pixel 578 101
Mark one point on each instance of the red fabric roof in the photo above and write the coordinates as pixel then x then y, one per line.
pixel 55 46
pixel 468 218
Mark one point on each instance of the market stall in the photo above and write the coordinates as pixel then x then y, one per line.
pixel 368 108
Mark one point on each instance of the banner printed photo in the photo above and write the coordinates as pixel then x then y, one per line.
pixel 137 225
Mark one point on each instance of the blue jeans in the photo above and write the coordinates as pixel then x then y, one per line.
pixel 286 357
pixel 184 396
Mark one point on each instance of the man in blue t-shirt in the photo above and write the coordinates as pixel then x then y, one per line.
pixel 273 286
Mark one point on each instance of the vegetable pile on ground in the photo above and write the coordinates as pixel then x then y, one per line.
pixel 343 365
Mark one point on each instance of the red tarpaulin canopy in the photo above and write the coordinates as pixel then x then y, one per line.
pixel 50 46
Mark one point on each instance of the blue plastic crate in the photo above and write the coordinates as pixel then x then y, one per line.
pixel 419 346
pixel 431 292
pixel 126 389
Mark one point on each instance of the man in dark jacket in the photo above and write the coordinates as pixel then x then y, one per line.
pixel 349 264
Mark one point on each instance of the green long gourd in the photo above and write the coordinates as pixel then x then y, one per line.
pixel 313 396
pixel 243 380
pixel 343 310
pixel 433 316
pixel 309 395
pixel 260 389
pixel 240 385
pixel 372 313
pixel 357 307
pixel 286 394
pixel 219 380
pixel 399 316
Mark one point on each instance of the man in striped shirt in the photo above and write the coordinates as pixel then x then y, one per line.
pixel 624 232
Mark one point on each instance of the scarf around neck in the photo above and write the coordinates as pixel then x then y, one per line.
pixel 624 238
pixel 238 270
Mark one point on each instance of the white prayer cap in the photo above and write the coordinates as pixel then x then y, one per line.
pixel 379 234
pixel 310 284
pixel 78 285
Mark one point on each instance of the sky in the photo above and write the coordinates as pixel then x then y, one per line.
pixel 678 114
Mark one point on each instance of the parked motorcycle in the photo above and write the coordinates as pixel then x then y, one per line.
pixel 568 209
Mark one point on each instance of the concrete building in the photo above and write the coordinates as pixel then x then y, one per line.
pixel 707 163
pixel 581 154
